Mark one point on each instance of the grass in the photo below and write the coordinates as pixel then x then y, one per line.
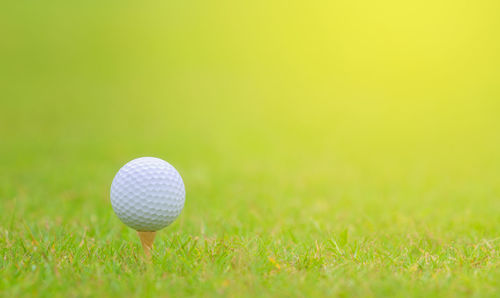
pixel 251 229
pixel 314 164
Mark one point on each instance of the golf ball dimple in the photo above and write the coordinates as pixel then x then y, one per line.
pixel 147 194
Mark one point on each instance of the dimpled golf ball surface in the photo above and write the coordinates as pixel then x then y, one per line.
pixel 147 194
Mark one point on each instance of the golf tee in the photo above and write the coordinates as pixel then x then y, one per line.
pixel 147 239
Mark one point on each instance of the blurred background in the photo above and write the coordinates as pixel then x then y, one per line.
pixel 287 111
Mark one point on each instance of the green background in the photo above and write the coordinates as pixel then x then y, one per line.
pixel 327 147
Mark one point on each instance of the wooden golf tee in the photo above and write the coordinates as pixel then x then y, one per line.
pixel 147 239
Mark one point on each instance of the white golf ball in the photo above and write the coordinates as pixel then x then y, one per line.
pixel 147 194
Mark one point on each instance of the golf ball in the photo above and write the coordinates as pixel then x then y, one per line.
pixel 147 194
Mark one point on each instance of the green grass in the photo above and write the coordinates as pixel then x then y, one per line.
pixel 256 222
pixel 314 162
